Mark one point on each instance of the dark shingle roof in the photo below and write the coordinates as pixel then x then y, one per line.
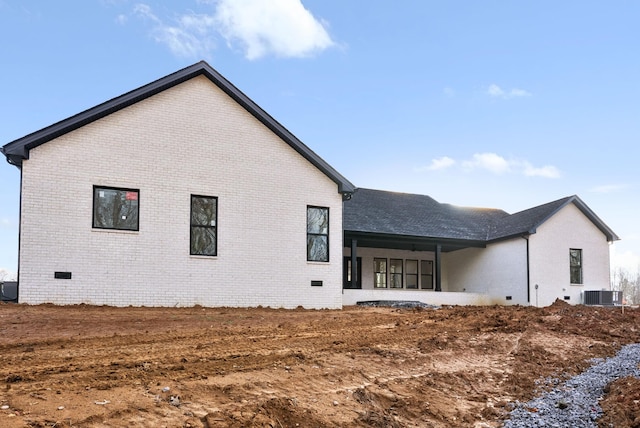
pixel 378 211
pixel 18 150
pixel 392 213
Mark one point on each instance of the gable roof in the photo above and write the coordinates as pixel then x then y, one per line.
pixel 18 150
pixel 380 213
pixel 527 221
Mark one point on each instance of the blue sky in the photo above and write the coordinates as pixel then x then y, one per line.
pixel 491 104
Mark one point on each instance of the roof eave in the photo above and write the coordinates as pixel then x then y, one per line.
pixel 18 150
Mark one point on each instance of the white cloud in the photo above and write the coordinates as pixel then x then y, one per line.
pixel 608 188
pixel 188 38
pixel 493 163
pixel 439 164
pixel 489 161
pixel 280 27
pixel 497 92
pixel 547 171
pixel 283 28
pixel 6 223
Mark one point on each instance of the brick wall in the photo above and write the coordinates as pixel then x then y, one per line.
pixel 190 139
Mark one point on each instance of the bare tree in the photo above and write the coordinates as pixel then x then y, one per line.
pixel 628 283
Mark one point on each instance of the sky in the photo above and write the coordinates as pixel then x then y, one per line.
pixel 498 104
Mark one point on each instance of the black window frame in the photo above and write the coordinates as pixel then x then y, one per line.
pixel 377 273
pixel 414 275
pixel 394 277
pixel 346 273
pixel 97 189
pixel 192 225
pixel 424 275
pixel 312 236
pixel 575 266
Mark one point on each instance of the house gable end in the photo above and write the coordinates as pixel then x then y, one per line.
pixel 528 221
pixel 18 150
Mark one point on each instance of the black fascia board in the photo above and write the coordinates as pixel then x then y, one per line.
pixel 18 150
pixel 385 240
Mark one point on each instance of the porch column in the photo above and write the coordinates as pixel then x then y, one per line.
pixel 438 270
pixel 354 260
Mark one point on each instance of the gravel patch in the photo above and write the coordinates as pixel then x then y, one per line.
pixel 398 304
pixel 575 402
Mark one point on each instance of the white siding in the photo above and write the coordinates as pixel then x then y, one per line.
pixel 497 271
pixel 190 139
pixel 549 250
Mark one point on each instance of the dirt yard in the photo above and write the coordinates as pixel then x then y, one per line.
pixel 86 366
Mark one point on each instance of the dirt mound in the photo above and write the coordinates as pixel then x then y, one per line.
pixel 621 405
pixel 85 366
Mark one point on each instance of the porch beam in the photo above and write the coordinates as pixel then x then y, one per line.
pixel 438 269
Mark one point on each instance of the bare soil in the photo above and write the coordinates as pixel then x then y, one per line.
pixel 86 366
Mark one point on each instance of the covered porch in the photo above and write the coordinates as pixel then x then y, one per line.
pixel 380 266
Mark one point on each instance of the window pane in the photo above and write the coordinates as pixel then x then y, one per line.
pixel 380 273
pixel 203 226
pixel 412 266
pixel 203 211
pixel 318 220
pixel 115 208
pixel 318 248
pixel 203 241
pixel 317 234
pixel 426 274
pixel 412 281
pixel 575 268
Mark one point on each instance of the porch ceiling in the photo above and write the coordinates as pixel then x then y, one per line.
pixel 412 243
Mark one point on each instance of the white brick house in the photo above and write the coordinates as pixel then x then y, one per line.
pixel 185 192
pixel 153 152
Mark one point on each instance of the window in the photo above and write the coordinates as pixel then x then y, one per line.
pixel 317 234
pixel 412 274
pixel 346 274
pixel 380 273
pixel 575 260
pixel 395 273
pixel 426 274
pixel 204 226
pixel 115 208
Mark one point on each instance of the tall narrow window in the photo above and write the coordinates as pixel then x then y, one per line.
pixel 115 208
pixel 395 273
pixel 412 274
pixel 380 273
pixel 317 234
pixel 204 225
pixel 575 260
pixel 426 274
pixel 347 281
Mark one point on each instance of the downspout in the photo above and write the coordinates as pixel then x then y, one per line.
pixel 526 238
pixel 19 238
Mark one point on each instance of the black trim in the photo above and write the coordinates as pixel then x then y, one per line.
pixel 191 226
pixel 395 274
pixel 405 242
pixel 18 150
pixel 62 275
pixel 319 234
pixel 119 189
pixel 386 273
pixel 345 273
